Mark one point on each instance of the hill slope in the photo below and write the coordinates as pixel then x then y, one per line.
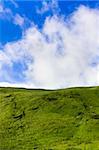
pixel 65 119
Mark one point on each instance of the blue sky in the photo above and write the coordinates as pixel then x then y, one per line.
pixel 23 23
pixel 29 9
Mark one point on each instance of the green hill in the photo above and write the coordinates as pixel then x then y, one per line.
pixel 65 119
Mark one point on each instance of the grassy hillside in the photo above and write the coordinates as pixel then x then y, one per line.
pixel 65 119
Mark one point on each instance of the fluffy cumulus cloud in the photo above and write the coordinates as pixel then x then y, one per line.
pixel 64 53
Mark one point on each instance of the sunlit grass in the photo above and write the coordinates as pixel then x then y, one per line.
pixel 65 119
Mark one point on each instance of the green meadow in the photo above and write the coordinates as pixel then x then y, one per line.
pixel 66 119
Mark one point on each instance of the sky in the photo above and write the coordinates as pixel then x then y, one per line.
pixel 49 44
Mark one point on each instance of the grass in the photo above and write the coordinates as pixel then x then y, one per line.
pixel 66 119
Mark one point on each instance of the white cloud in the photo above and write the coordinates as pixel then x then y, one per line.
pixel 1 8
pixel 51 5
pixel 6 84
pixel 14 3
pixel 7 14
pixel 62 54
pixel 18 20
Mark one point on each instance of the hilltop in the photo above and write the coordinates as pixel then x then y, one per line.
pixel 66 119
